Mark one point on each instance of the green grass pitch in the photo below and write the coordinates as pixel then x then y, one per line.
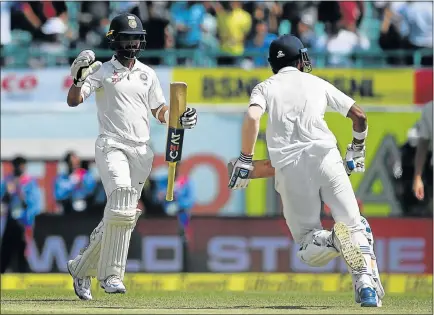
pixel 46 301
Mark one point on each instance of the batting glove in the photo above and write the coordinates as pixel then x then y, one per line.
pixel 355 158
pixel 188 119
pixel 83 66
pixel 239 179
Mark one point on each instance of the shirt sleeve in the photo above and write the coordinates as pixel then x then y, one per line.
pixel 92 83
pixel 257 97
pixel 156 97
pixel 338 100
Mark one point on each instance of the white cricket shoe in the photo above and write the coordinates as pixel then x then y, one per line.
pixel 351 253
pixel 113 284
pixel 81 286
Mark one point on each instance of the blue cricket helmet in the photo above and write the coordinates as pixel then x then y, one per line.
pixel 286 49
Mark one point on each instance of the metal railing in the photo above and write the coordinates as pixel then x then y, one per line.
pixel 19 57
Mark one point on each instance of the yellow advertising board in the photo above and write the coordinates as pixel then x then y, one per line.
pixel 259 282
pixel 229 86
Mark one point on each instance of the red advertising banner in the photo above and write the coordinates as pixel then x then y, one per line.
pixel 423 81
pixel 238 245
pixel 402 245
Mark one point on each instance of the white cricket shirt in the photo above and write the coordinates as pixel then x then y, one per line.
pixel 296 103
pixel 124 98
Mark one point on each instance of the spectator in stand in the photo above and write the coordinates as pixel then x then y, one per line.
pixel 340 44
pixel 157 31
pixel 74 189
pixel 183 200
pixel 21 199
pixel 209 44
pixel 234 25
pixel 188 18
pixel 152 207
pixel 304 29
pixel 183 194
pixel 260 44
pixel 5 38
pixel 392 30
pixel 352 14
pixel 419 18
pixel 93 24
pixel 47 21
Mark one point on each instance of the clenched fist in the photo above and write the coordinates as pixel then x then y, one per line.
pixel 83 66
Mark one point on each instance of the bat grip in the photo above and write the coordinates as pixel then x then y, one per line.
pixel 171 181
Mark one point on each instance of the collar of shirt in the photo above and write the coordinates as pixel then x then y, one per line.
pixel 287 69
pixel 119 66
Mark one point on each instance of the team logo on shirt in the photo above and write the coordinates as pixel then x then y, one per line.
pixel 116 78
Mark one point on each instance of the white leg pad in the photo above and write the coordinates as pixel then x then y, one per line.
pixel 316 255
pixel 85 263
pixel 119 220
pixel 371 275
pixel 317 250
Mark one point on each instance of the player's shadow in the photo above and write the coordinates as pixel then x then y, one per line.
pixel 277 307
pixel 40 300
pixel 295 307
pixel 178 307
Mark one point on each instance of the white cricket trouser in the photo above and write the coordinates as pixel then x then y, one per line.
pixel 304 183
pixel 122 163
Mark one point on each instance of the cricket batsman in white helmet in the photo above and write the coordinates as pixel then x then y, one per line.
pixel 308 166
pixel 126 90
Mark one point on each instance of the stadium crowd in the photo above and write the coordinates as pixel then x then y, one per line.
pixel 224 32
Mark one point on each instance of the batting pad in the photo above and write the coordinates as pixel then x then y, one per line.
pixel 119 221
pixel 317 256
pixel 85 263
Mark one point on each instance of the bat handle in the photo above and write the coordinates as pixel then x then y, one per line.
pixel 171 181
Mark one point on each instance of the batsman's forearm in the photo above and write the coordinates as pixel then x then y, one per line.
pixel 249 135
pixel 420 158
pixel 74 96
pixel 360 121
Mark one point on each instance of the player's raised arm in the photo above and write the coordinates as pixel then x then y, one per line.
pixel 82 67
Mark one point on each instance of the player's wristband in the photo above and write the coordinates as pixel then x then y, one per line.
pixel 78 83
pixel 248 159
pixel 166 116
pixel 360 135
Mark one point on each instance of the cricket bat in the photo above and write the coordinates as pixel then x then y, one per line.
pixel 261 169
pixel 175 132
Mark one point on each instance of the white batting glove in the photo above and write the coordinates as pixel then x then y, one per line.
pixel 239 179
pixel 83 66
pixel 355 158
pixel 188 119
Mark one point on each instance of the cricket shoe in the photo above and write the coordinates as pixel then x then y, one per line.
pixel 81 286
pixel 351 253
pixel 113 284
pixel 368 298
